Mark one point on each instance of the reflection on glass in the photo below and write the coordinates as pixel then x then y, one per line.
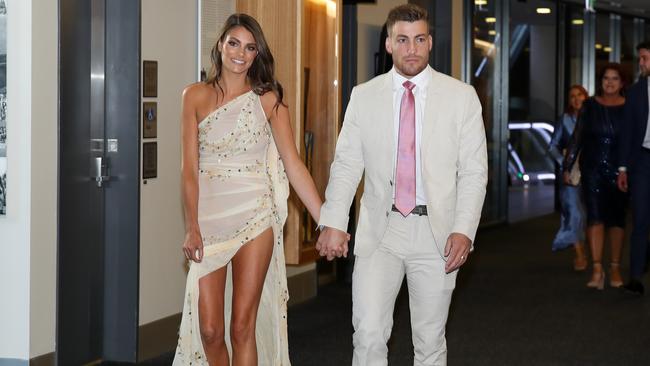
pixel 485 40
pixel 532 62
pixel 575 34
pixel 603 46
pixel 627 47
pixel 3 107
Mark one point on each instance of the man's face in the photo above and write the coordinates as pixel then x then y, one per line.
pixel 644 62
pixel 409 44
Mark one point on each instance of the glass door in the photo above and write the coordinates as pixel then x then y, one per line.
pixel 487 73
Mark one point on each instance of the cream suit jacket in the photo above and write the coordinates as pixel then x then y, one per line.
pixel 453 158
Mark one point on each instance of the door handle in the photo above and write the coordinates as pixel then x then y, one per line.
pixel 99 176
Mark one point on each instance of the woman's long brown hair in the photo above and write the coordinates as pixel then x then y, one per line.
pixel 261 74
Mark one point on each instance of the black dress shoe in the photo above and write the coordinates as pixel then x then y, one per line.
pixel 633 287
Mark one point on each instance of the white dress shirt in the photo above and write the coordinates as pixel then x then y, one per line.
pixel 646 140
pixel 421 81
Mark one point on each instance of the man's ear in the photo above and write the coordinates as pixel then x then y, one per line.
pixel 389 47
pixel 430 42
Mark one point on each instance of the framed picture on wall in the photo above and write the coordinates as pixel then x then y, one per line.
pixel 149 160
pixel 149 79
pixel 149 120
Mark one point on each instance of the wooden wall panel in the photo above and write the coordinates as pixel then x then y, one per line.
pixel 302 35
pixel 281 23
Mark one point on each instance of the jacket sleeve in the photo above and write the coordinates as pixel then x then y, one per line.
pixel 345 171
pixel 472 168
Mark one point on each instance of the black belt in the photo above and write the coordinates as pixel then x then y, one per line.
pixel 420 210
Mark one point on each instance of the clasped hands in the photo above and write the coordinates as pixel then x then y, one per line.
pixel 333 243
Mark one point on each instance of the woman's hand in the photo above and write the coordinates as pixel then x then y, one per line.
pixel 566 177
pixel 193 246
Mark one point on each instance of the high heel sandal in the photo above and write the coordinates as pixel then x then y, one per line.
pixel 597 278
pixel 615 278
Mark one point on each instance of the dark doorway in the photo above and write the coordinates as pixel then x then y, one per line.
pixel 98 256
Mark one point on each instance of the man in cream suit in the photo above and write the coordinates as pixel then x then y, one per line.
pixel 418 138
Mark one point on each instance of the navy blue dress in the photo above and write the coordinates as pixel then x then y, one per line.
pixel 572 215
pixel 595 138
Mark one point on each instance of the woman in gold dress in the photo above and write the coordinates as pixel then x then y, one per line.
pixel 239 155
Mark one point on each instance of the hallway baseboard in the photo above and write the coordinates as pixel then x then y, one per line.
pixel 158 337
pixel 43 360
pixel 302 287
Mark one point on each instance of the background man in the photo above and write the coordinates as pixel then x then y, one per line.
pixel 634 167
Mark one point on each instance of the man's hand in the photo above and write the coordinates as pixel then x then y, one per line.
pixel 566 178
pixel 456 251
pixel 621 181
pixel 332 243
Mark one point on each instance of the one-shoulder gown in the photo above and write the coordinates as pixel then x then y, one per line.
pixel 243 191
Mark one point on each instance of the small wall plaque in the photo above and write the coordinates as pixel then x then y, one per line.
pixel 149 120
pixel 149 160
pixel 150 79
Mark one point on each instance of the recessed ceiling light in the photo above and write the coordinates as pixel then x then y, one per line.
pixel 543 10
pixel 492 32
pixel 490 20
pixel 599 46
pixel 480 2
pixel 577 22
pixel 607 49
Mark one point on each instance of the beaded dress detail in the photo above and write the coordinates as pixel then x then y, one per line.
pixel 243 191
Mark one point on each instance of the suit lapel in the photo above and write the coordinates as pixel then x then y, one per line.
pixel 431 113
pixel 383 107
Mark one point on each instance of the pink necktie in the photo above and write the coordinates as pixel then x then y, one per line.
pixel 405 175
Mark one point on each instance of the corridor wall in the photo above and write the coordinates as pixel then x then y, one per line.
pixel 28 232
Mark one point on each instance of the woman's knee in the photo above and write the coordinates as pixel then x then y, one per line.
pixel 212 335
pixel 242 329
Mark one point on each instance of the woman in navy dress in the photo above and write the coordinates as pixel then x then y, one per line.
pixel 595 138
pixel 571 232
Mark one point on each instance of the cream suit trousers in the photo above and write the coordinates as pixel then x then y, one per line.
pixel 407 248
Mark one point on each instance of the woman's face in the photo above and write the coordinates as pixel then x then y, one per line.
pixel 611 82
pixel 576 97
pixel 238 50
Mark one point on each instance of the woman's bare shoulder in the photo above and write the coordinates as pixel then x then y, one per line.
pixel 197 91
pixel 269 101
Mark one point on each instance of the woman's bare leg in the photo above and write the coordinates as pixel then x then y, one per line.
pixel 211 323
pixel 596 238
pixel 249 267
pixel 616 236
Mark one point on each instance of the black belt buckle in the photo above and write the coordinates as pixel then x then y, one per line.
pixel 420 210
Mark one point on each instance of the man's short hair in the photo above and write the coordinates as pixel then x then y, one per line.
pixel 406 13
pixel 643 45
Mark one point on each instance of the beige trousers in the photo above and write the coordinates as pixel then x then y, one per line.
pixel 407 248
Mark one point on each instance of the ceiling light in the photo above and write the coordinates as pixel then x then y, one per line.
pixel 543 10
pixel 577 22
pixel 492 32
pixel 599 46
pixel 490 20
pixel 480 2
pixel 607 49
